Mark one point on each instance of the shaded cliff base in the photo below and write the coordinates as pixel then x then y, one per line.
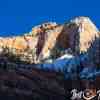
pixel 41 85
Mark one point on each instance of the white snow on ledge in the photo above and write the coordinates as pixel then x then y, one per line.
pixel 64 62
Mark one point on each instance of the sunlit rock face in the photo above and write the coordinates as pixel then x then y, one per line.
pixel 27 47
pixel 78 35
pixel 51 40
pixel 19 46
pixel 81 33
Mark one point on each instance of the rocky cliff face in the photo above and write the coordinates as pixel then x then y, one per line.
pixel 51 60
pixel 49 40
pixel 28 46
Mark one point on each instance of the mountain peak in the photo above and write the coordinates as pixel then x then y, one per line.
pixel 50 39
pixel 78 35
pixel 84 20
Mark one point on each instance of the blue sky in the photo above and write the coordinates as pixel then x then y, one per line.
pixel 19 16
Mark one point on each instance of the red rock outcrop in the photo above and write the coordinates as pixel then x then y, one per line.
pixel 78 35
pixel 44 40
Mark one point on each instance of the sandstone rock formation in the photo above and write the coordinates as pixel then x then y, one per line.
pixel 78 35
pixel 50 61
pixel 49 40
pixel 28 46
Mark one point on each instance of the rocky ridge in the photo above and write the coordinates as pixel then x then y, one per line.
pixel 67 56
pixel 49 38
